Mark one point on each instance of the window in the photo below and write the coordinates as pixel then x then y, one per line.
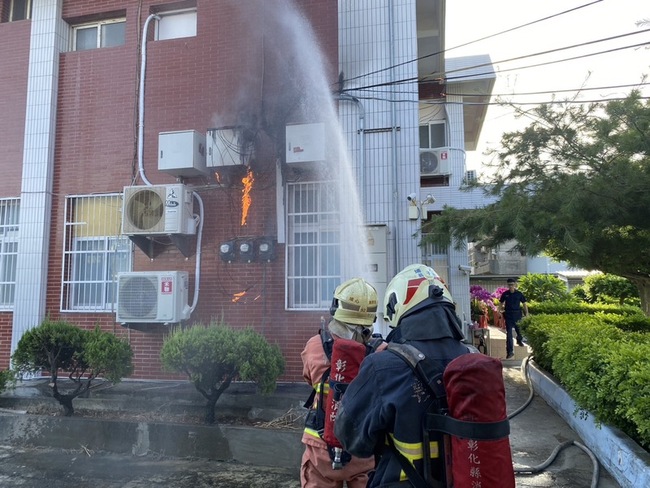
pixel 177 24
pixel 20 10
pixel 9 212
pixel 95 252
pixel 436 257
pixel 104 33
pixel 433 135
pixel 313 245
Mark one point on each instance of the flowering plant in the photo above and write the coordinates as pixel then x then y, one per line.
pixel 481 300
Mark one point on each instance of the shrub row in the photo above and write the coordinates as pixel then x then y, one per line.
pixel 605 369
pixel 572 306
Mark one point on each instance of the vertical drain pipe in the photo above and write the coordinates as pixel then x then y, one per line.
pixel 396 202
pixel 143 67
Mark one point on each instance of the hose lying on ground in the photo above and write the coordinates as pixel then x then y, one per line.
pixel 541 467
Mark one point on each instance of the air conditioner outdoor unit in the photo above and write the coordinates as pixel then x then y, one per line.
pixel 434 162
pixel 152 297
pixel 157 210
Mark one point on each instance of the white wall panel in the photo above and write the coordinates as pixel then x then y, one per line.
pixel 48 39
pixel 376 39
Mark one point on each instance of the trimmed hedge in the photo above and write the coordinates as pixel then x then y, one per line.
pixel 570 306
pixel 606 370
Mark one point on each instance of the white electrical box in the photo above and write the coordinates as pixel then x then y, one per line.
pixel 305 143
pixel 182 153
pixel 225 147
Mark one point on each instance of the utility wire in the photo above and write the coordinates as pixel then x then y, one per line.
pixel 549 102
pixel 472 42
pixel 515 94
pixel 491 72
pixel 549 51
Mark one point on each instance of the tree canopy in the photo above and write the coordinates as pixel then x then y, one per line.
pixel 575 185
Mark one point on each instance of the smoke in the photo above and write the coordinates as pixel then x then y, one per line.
pixel 290 81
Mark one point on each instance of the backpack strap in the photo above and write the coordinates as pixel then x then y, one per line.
pixel 478 431
pixel 428 371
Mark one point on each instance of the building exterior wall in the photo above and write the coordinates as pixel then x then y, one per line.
pixel 191 83
pixel 78 134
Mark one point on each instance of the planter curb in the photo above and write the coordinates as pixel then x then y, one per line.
pixel 627 462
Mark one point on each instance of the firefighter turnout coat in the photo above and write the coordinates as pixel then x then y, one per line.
pixel 388 399
pixel 316 469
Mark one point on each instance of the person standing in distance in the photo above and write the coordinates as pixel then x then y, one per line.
pixel 512 303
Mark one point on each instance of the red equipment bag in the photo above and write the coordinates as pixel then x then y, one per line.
pixel 344 367
pixel 476 393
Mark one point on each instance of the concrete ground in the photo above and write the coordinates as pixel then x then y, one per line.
pixel 273 456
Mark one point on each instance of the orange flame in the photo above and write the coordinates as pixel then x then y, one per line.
pixel 246 196
pixel 237 296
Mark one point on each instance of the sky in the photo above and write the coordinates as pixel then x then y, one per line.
pixel 473 20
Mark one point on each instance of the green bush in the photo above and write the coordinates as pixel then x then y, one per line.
pixel 573 307
pixel 6 380
pixel 215 356
pixel 605 369
pixel 629 323
pixel 542 287
pixel 609 288
pixel 58 346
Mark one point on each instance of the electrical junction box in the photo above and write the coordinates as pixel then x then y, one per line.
pixel 226 147
pixel 305 143
pixel 182 153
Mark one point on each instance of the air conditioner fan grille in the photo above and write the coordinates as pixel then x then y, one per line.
pixel 138 297
pixel 145 209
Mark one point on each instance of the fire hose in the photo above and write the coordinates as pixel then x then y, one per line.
pixel 541 467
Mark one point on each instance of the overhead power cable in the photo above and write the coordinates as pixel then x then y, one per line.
pixel 471 42
pixel 516 94
pixel 465 103
pixel 490 72
pixel 549 51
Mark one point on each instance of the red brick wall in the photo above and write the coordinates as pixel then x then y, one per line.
pixel 14 39
pixel 225 75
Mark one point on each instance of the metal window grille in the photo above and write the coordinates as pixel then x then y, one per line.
pixel 436 257
pixel 9 218
pixel 94 252
pixel 313 244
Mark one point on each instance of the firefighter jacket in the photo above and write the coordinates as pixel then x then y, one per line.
pixel 387 399
pixel 315 364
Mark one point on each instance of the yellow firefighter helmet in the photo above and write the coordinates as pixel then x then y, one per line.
pixel 355 302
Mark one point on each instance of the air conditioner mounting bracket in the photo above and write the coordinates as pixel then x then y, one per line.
pixel 152 247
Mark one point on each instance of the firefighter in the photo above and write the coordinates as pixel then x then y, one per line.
pixel 383 405
pixel 354 308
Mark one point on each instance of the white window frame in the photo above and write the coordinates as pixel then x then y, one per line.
pixel 12 11
pixel 429 126
pixel 96 25
pixel 176 24
pixel 313 265
pixel 97 290
pixel 9 233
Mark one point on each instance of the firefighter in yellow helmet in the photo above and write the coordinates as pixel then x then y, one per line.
pixel 381 410
pixel 353 312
